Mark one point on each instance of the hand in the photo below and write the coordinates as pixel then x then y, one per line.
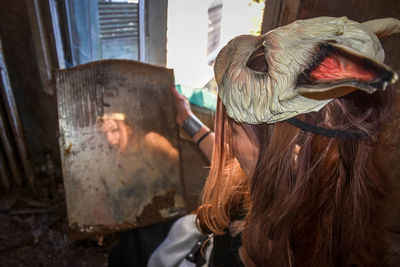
pixel 182 106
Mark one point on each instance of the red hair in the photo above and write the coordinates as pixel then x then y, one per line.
pixel 226 186
pixel 321 207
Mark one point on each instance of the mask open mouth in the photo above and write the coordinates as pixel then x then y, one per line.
pixel 336 70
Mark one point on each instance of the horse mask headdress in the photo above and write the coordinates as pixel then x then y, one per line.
pixel 301 67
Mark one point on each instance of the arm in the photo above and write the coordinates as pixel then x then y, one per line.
pixel 183 112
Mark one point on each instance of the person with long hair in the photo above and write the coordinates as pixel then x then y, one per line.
pixel 293 173
pixel 294 179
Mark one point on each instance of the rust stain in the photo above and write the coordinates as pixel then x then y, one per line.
pixel 67 150
pixel 151 212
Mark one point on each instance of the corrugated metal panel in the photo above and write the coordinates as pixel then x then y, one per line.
pixel 118 20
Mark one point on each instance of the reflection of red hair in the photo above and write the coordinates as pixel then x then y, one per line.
pixel 124 132
pixel 322 207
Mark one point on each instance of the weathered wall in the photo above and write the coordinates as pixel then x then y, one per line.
pixel 37 109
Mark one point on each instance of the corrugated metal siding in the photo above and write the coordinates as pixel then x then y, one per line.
pixel 118 20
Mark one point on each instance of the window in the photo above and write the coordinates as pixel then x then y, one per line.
pixel 100 29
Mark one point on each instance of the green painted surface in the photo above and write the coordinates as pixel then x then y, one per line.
pixel 198 97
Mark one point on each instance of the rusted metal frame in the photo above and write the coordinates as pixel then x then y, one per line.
pixel 14 120
pixel 4 175
pixel 9 149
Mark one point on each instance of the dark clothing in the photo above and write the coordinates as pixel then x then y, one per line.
pixel 225 252
pixel 135 246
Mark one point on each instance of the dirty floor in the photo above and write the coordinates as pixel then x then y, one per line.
pixel 34 232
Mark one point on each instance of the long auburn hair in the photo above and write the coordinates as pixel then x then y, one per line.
pixel 311 200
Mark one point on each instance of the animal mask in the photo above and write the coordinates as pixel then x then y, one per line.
pixel 299 68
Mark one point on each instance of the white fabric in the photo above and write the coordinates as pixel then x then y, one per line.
pixel 180 240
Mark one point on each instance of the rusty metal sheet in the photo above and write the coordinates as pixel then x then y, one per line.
pixel 119 145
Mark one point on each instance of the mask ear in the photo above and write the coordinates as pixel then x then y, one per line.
pixel 338 70
pixel 383 27
pixel 257 61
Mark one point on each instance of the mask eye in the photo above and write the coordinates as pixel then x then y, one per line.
pixel 257 61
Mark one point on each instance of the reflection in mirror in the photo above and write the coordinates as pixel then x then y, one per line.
pixel 121 163
pixel 119 136
pixel 159 143
pixel 116 130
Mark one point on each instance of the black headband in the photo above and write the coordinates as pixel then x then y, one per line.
pixel 324 131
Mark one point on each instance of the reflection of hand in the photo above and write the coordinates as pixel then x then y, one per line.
pixel 182 106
